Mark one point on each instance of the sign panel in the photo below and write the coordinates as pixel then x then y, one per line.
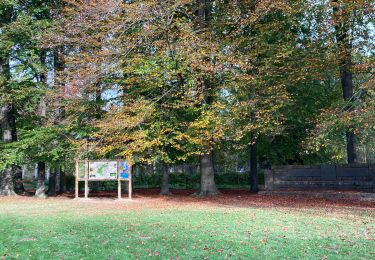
pixel 103 170
pixel 124 170
pixel 81 170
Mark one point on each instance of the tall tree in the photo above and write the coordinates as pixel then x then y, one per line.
pixel 261 35
pixel 350 43
pixel 342 19
pixel 207 183
pixel 40 191
pixel 25 88
pixel 8 111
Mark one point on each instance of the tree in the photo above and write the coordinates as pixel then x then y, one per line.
pixel 204 127
pixel 260 43
pixel 155 94
pixel 169 82
pixel 344 18
pixel 17 65
pixel 349 42
pixel 26 88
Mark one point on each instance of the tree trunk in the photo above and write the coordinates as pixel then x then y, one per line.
pixel 11 177
pixel 8 123
pixel 7 182
pixel 52 183
pixel 350 147
pixel 208 185
pixel 58 64
pixel 347 89
pixel 342 30
pixel 165 181
pixel 18 183
pixel 253 167
pixel 40 188
pixel 62 180
pixel 202 10
pixel 10 180
pixel 253 157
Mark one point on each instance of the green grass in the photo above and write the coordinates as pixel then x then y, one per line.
pixel 53 229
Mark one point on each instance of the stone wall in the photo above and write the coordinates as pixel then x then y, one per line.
pixel 356 177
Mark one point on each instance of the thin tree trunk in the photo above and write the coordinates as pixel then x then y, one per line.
pixel 40 188
pixel 62 180
pixel 40 191
pixel 58 64
pixel 253 158
pixel 350 147
pixel 10 179
pixel 253 167
pixel 342 31
pixel 165 181
pixel 52 183
pixel 347 89
pixel 202 10
pixel 208 185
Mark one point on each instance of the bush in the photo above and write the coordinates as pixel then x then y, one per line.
pixel 69 182
pixel 176 181
pixel 192 181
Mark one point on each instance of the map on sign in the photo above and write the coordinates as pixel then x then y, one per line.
pixel 103 170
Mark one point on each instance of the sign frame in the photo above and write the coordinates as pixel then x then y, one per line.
pixel 119 180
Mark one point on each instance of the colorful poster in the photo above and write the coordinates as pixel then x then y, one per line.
pixel 103 170
pixel 124 170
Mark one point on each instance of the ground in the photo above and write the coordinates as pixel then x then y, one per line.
pixel 236 225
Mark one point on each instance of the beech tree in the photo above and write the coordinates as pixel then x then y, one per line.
pixel 19 64
pixel 7 109
pixel 26 87
pixel 350 45
pixel 176 81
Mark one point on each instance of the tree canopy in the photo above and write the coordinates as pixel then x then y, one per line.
pixel 176 81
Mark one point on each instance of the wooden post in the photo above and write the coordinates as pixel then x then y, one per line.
pixel 130 190
pixel 76 180
pixel 118 180
pixel 87 179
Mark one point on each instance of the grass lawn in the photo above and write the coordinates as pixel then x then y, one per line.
pixel 183 228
